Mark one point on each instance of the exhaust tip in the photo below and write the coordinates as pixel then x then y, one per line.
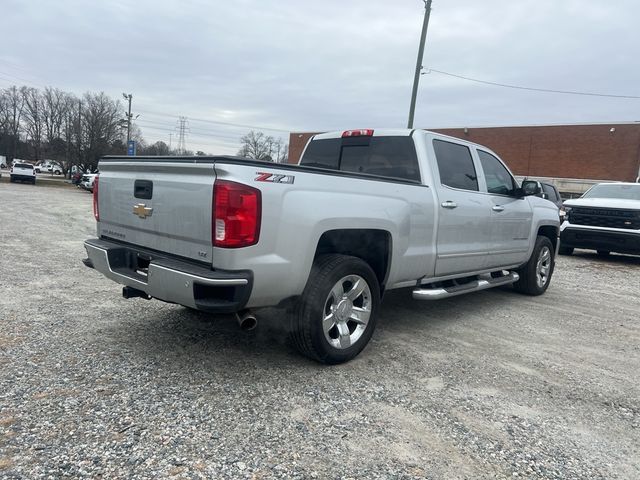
pixel 247 321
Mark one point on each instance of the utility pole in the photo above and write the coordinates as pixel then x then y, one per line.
pixel 416 77
pixel 79 138
pixel 67 136
pixel 170 135
pixel 128 97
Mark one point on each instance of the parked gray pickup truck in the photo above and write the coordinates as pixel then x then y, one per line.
pixel 364 212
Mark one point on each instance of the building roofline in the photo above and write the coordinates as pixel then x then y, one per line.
pixel 576 124
pixel 532 125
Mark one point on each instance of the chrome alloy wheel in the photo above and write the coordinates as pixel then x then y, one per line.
pixel 543 267
pixel 347 311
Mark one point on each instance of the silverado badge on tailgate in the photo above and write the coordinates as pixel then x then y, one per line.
pixel 142 210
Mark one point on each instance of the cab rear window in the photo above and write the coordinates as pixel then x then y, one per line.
pixel 393 157
pixel 23 165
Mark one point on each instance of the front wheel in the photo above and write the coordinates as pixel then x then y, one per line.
pixel 535 275
pixel 336 315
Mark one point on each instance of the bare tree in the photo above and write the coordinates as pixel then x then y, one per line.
pixel 262 147
pixel 100 125
pixel 55 106
pixel 12 116
pixel 4 113
pixel 34 121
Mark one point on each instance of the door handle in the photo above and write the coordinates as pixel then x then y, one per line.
pixel 449 204
pixel 497 208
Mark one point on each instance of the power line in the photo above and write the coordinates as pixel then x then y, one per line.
pixel 519 87
pixel 217 122
pixel 193 133
pixel 167 126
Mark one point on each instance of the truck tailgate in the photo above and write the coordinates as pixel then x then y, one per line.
pixel 162 205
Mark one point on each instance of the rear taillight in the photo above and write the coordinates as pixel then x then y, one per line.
pixel 237 209
pixel 364 132
pixel 96 212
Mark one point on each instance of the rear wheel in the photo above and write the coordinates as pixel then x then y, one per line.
pixel 336 316
pixel 535 275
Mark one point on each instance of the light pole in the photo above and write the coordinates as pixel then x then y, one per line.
pixel 416 77
pixel 128 97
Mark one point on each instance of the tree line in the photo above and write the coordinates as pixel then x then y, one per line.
pixel 77 130
pixel 57 125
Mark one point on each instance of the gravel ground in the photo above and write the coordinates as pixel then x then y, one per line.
pixel 488 385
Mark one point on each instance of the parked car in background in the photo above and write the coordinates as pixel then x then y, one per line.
pixel 76 177
pixel 23 172
pixel 606 219
pixel 551 193
pixel 49 167
pixel 87 181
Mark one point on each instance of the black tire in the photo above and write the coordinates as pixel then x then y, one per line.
pixel 11 180
pixel 529 274
pixel 307 317
pixel 33 182
pixel 565 250
pixel 603 253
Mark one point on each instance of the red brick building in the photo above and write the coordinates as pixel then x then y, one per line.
pixel 587 152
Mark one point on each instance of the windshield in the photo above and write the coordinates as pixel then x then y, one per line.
pixel 627 192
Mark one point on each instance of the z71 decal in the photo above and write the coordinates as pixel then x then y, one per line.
pixel 274 177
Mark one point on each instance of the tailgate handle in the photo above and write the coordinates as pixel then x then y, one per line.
pixel 143 189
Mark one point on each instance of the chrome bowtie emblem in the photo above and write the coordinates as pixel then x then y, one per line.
pixel 142 211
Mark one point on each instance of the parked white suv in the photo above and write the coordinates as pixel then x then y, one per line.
pixel 23 172
pixel 87 181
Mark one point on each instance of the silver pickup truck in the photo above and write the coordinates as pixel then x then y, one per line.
pixel 364 212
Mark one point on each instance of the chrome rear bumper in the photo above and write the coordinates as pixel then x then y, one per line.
pixel 169 278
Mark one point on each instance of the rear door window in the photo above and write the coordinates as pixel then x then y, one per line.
pixel 455 165
pixel 393 157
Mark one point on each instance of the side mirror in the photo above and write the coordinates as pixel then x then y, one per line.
pixel 530 187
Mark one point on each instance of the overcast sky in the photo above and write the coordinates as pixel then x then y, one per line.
pixel 299 66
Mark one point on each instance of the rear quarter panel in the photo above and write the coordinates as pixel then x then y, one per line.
pixel 294 217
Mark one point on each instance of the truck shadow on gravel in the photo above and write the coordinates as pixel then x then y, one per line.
pixel 184 335
pixel 178 334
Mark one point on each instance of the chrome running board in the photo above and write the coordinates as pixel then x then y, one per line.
pixel 473 286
